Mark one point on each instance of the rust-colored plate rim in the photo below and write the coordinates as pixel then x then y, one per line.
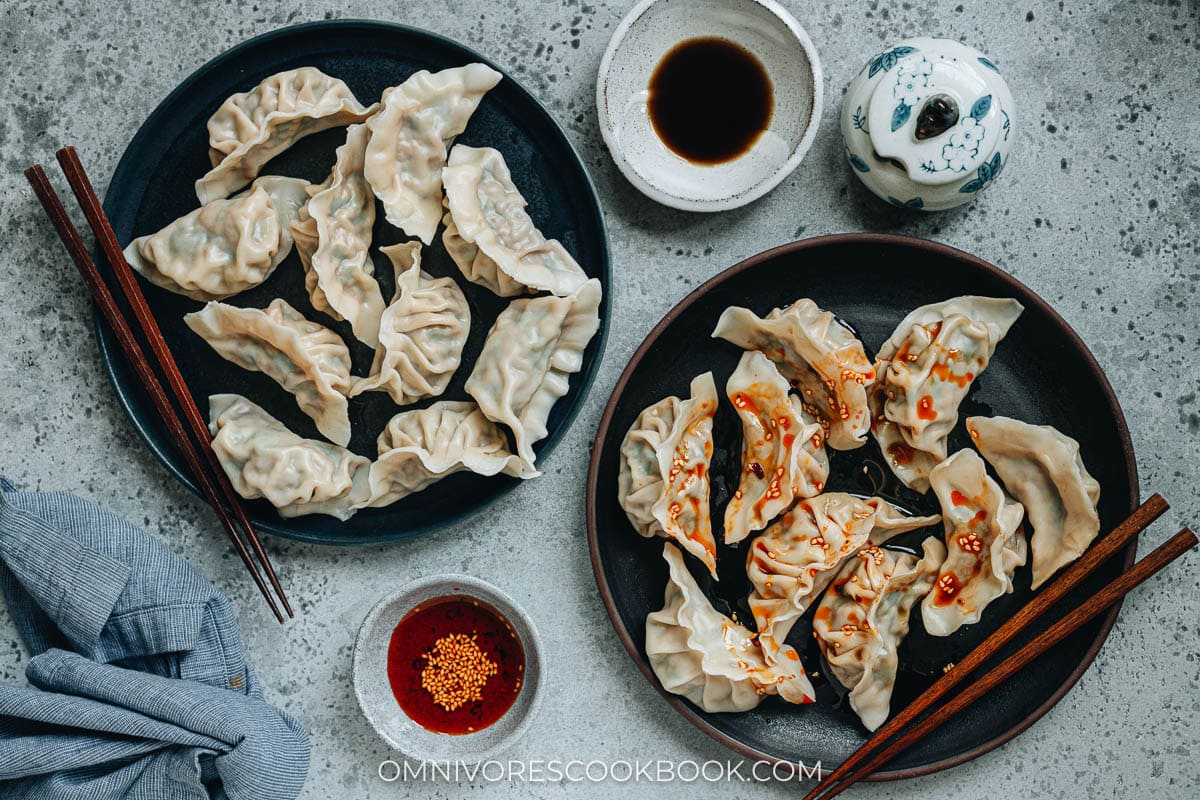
pixel 883 239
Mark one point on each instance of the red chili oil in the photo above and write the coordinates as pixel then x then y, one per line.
pixel 416 636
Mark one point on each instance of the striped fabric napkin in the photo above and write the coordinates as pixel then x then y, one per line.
pixel 139 686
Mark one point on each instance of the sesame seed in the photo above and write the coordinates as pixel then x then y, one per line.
pixel 456 671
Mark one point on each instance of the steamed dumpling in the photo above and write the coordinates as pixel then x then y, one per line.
pixel 305 358
pixel 783 449
pixel 298 476
pixel 701 654
pixel 863 617
pixel 1042 468
pixel 250 128
pixel 925 370
pixel 409 139
pixel 819 356
pixel 419 448
pixel 288 196
pixel 491 237
pixel 422 333
pixel 792 561
pixel 224 247
pixel 984 543
pixel 663 483
pixel 334 239
pixel 533 348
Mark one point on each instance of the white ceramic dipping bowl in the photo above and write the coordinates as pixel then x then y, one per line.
pixel 761 27
pixel 374 691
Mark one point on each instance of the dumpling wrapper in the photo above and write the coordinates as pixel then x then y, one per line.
pixel 421 334
pixel 263 459
pixel 250 128
pixel 984 544
pixel 863 617
pixel 783 449
pixel 224 247
pixel 333 235
pixel 419 448
pixel 663 483
pixel 305 358
pixel 925 370
pixel 792 561
pixel 527 360
pixel 491 237
pixel 1042 468
pixel 699 653
pixel 410 136
pixel 819 356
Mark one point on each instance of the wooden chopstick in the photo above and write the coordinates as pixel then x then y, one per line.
pixel 106 302
pixel 1096 555
pixel 68 159
pixel 1162 555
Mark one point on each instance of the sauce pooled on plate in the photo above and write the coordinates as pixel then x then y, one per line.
pixel 455 665
pixel 710 100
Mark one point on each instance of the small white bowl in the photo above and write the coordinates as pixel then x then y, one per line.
pixel 646 34
pixel 374 691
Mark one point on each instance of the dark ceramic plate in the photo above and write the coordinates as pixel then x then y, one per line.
pixel 1041 373
pixel 153 185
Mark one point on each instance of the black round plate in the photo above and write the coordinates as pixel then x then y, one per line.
pixel 153 184
pixel 1041 373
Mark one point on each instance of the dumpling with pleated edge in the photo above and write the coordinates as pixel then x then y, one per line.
pixel 925 370
pixel 984 544
pixel 421 334
pixel 527 360
pixel 819 356
pixel 250 128
pixel 491 237
pixel 701 654
pixel 410 136
pixel 224 247
pixel 783 448
pixel 333 236
pixel 1042 468
pixel 420 447
pixel 663 481
pixel 794 559
pixel 263 459
pixel 305 358
pixel 863 616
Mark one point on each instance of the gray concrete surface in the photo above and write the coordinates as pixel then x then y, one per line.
pixel 1099 211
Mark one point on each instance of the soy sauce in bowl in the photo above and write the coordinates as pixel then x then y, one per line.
pixel 710 100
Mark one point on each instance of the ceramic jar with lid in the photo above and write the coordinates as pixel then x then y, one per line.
pixel 928 124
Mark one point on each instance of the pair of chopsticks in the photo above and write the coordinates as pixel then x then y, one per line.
pixel 190 434
pixel 889 741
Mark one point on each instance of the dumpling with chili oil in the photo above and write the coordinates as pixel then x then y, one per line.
pixel 663 482
pixel 984 544
pixel 925 370
pixel 701 654
pixel 783 449
pixel 793 560
pixel 863 617
pixel 819 356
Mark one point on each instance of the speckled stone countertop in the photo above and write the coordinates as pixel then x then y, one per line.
pixel 1098 211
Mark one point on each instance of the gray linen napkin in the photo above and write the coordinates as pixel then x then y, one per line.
pixel 140 690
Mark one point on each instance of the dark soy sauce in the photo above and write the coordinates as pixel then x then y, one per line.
pixel 710 100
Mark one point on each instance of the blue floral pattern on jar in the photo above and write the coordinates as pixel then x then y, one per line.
pixel 948 164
